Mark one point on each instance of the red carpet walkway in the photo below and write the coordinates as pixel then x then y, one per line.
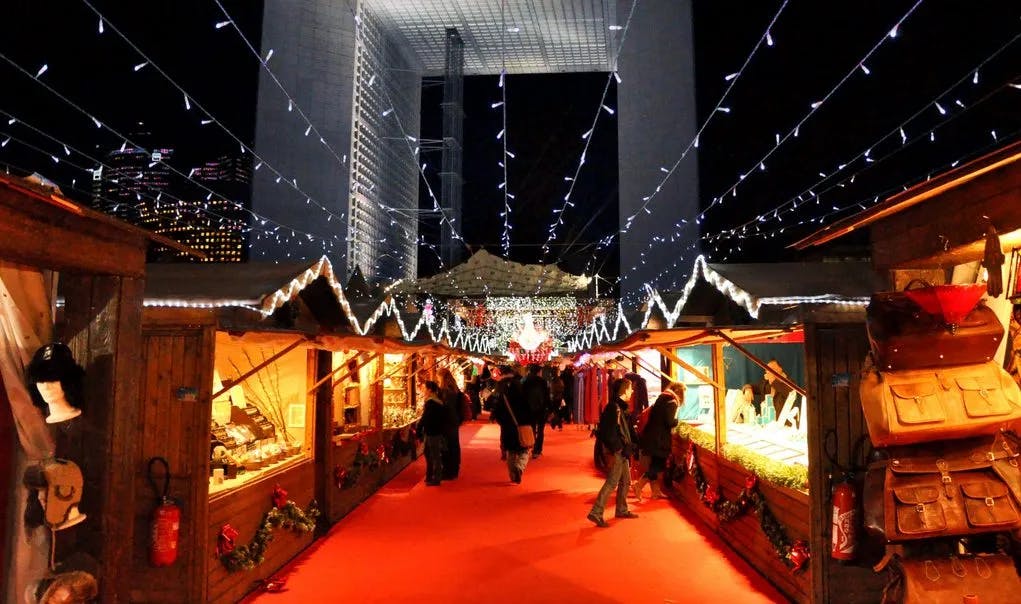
pixel 482 539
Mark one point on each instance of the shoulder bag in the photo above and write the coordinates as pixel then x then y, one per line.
pixel 921 405
pixel 526 436
pixel 947 579
pixel 948 490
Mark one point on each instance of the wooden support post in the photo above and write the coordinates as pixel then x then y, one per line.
pixel 719 398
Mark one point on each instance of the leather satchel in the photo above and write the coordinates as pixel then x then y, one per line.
pixel 948 490
pixel 903 336
pixel 947 579
pixel 913 406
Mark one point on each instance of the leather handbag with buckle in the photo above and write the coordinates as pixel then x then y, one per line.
pixel 912 406
pixel 949 489
pixel 903 336
pixel 947 579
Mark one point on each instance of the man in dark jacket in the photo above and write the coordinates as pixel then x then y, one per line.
pixel 617 435
pixel 657 435
pixel 536 393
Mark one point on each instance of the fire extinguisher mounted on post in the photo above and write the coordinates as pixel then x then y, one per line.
pixel 845 527
pixel 165 526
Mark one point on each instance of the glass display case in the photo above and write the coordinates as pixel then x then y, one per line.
pixel 756 425
pixel 260 418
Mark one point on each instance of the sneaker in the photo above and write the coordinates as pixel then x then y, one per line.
pixel 627 514
pixel 597 520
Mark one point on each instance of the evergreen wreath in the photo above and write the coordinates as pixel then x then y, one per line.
pixel 246 557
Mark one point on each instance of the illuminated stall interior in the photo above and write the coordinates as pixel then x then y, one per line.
pixel 262 411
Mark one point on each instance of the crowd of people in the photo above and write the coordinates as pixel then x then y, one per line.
pixel 525 402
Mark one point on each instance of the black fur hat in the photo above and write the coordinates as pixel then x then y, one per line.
pixel 54 362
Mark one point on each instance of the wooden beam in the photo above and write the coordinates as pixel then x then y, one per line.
pixel 228 384
pixel 344 366
pixel 689 367
pixel 762 364
pixel 719 398
pixel 635 359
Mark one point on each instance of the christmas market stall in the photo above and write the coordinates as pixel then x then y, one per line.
pixel 71 287
pixel 942 245
pixel 269 361
pixel 763 397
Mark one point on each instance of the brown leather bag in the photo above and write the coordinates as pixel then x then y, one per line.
pixel 912 406
pixel 903 336
pixel 947 579
pixel 946 490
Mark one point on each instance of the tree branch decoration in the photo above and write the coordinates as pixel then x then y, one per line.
pixel 287 516
pixel 264 393
pixel 793 554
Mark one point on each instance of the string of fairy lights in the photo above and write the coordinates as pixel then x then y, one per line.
pixel 858 67
pixel 946 105
pixel 128 142
pixel 765 39
pixel 847 171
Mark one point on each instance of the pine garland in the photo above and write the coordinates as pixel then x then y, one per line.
pixel 290 517
pixel 794 554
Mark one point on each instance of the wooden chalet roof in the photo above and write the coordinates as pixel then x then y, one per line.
pixel 487 275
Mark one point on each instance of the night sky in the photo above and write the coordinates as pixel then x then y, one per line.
pixel 816 44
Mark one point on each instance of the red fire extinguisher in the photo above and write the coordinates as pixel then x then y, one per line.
pixel 845 521
pixel 166 520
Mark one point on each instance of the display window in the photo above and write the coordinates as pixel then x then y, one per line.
pixel 354 373
pixel 398 401
pixel 765 420
pixel 262 412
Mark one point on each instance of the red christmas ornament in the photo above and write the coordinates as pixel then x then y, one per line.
pixel 225 540
pixel 339 476
pixel 751 482
pixel 381 453
pixel 279 497
pixel 689 458
pixel 799 555
pixel 712 494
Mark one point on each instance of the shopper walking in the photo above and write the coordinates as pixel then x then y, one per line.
pixel 510 411
pixel 556 395
pixel 656 437
pixel 453 402
pixel 536 392
pixel 431 428
pixel 617 436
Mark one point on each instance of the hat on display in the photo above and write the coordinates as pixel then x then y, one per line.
pixel 55 362
pixel 61 482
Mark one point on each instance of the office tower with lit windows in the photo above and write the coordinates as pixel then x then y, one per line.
pixel 354 173
pixel 212 218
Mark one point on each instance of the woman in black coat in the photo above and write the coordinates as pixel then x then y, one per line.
pixel 656 437
pixel 509 409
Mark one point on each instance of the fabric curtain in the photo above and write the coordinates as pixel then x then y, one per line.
pixel 26 323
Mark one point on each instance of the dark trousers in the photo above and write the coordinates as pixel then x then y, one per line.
pixel 433 459
pixel 540 436
pixel 452 455
pixel 656 465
